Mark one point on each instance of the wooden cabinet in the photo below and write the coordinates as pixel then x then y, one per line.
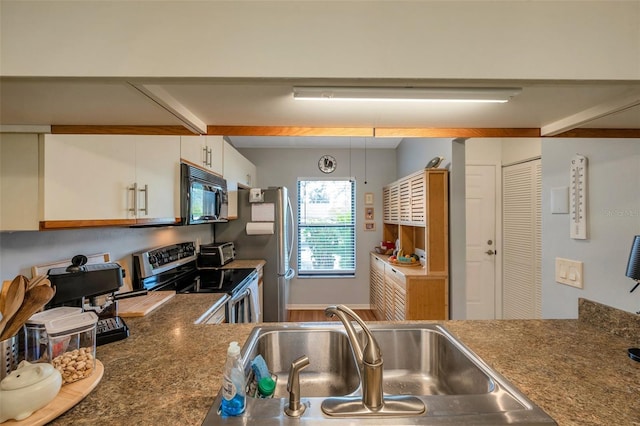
pixel 19 182
pixel 376 280
pixel 103 180
pixel 395 290
pixel 391 206
pixel 399 294
pixel 415 212
pixel 206 152
pixel 423 217
pixel 238 172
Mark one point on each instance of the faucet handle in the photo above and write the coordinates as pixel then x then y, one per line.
pixel 295 409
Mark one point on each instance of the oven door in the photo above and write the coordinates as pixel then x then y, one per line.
pixel 239 308
pixel 244 306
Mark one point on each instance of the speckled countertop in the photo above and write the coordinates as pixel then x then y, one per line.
pixel 168 371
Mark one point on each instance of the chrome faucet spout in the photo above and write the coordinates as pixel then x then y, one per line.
pixel 369 359
pixel 295 408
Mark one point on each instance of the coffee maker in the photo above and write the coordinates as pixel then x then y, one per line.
pixel 92 288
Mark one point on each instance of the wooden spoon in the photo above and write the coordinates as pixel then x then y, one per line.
pixel 12 301
pixel 34 300
pixel 35 281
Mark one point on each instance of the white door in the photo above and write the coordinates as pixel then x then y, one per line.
pixel 522 240
pixel 481 241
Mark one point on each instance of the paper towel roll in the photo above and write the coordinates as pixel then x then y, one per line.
pixel 259 228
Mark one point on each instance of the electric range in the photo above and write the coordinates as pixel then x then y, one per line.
pixel 173 267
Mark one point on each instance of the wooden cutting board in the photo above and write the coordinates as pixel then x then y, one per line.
pixel 68 396
pixel 142 305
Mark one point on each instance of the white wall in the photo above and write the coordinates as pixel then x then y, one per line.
pixel 570 40
pixel 613 217
pixel 516 150
pixel 19 251
pixel 283 166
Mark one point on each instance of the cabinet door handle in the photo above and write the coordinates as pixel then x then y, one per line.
pixel 146 200
pixel 134 188
pixel 210 157
pixel 205 156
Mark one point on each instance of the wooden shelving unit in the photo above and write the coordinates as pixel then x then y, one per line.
pixel 415 212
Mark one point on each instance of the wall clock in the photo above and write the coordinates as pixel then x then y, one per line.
pixel 327 164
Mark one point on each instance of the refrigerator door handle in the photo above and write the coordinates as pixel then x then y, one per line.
pixel 290 273
pixel 291 231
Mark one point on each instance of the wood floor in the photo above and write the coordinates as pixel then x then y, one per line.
pixel 319 316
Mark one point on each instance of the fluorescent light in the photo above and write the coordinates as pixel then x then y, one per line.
pixel 415 94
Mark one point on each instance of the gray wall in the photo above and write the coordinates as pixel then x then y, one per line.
pixel 19 251
pixel 283 166
pixel 613 220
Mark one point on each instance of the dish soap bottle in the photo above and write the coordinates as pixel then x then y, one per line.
pixel 233 388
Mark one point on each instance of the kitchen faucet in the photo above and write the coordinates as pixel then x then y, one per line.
pixel 370 364
pixel 369 359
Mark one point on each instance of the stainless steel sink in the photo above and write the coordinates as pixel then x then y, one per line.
pixel 422 360
pixel 419 361
pixel 332 372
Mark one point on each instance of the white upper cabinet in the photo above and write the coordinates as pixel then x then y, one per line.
pixel 237 168
pixel 238 171
pixel 19 182
pixel 125 179
pixel 203 151
pixel 158 178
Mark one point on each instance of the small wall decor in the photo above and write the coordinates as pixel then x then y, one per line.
pixel 368 198
pixel 368 213
pixel 369 226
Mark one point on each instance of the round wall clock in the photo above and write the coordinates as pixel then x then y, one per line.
pixel 327 164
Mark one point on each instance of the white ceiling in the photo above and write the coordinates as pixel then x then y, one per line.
pixel 264 102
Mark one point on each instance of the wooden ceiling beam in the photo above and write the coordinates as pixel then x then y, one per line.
pixel 390 132
pixel 345 131
pixel 289 131
pixel 599 133
pixel 120 130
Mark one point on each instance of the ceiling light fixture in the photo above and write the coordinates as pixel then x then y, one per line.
pixel 415 94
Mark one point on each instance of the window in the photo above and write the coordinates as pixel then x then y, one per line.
pixel 326 228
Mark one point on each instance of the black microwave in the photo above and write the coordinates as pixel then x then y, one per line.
pixel 203 196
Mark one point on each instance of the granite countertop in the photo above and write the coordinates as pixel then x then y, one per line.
pixel 244 263
pixel 169 370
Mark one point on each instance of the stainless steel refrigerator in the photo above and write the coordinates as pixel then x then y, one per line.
pixel 274 248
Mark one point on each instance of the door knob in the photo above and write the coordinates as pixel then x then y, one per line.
pixel 490 252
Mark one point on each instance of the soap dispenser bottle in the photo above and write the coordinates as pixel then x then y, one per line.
pixel 233 388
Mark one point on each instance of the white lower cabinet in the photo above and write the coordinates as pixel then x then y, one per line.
pixel 109 179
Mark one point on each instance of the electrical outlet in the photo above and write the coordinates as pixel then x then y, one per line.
pixel 569 272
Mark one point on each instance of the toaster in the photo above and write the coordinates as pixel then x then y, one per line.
pixel 216 255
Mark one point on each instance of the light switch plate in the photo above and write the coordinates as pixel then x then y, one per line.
pixel 569 272
pixel 560 200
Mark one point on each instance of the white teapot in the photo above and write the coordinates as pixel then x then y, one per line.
pixel 27 389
